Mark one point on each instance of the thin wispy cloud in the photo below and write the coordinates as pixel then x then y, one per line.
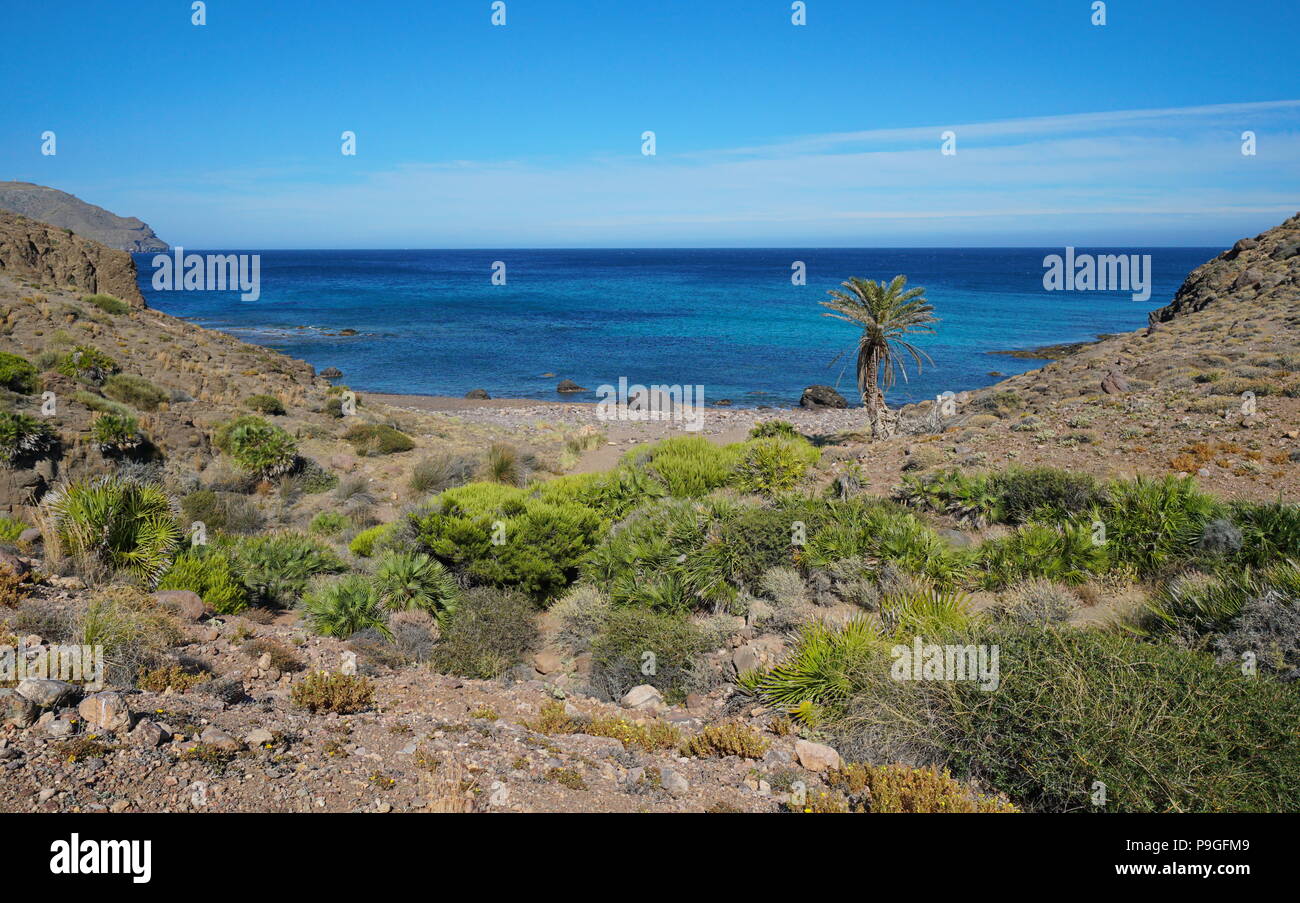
pixel 1010 181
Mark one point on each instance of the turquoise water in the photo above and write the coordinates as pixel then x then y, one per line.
pixel 431 322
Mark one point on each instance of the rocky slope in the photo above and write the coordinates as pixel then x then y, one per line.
pixel 49 255
pixel 66 211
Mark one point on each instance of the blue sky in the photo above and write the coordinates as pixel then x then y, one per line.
pixel 768 134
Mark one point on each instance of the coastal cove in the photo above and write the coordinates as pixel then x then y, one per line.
pixel 732 320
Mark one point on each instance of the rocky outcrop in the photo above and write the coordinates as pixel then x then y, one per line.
pixel 1265 268
pixel 65 211
pixel 822 397
pixel 52 256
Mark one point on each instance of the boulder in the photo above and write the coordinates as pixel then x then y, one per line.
pixel 183 603
pixel 816 756
pixel 331 373
pixel 30 536
pixel 822 397
pixel 478 393
pixel 568 385
pixel 642 697
pixel 47 693
pixel 105 711
pixel 745 659
pixel 1114 383
pixel 259 737
pixel 674 783
pixel 547 662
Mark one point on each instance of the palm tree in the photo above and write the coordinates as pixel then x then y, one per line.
pixel 886 313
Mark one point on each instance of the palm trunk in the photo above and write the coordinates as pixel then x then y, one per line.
pixel 873 397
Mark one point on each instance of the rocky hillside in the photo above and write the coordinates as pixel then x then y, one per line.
pixel 48 255
pixel 66 211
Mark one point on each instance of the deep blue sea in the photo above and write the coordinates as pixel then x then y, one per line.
pixel 730 320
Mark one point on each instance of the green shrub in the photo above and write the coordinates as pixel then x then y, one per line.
pixel 1153 525
pixel 1163 728
pixel 258 447
pixel 773 465
pixel 340 608
pixel 207 572
pixel 265 404
pixel 17 374
pixel 365 542
pixel 275 568
pixel 1044 493
pixel 329 523
pixel 818 677
pixel 503 465
pixel 1269 531
pixel 1065 553
pixel 490 632
pixel 686 466
pixel 108 303
pixel 115 434
pixel 781 429
pixel 412 581
pixel 1195 604
pixel 23 438
pixel 618 654
pixel 730 738
pixel 88 364
pixel 125 524
pixel 99 403
pixel 372 439
pixel 10 528
pixel 135 391
pixel 498 535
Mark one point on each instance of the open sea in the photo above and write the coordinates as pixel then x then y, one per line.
pixel 730 320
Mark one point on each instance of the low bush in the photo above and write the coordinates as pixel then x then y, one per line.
pixel 1154 525
pixel 24 438
pixel 371 439
pixel 329 523
pixel 275 568
pixel 366 542
pixel 340 608
pixel 773 464
pixel 135 391
pixel 440 471
pixel 687 466
pixel 619 654
pixel 207 572
pixel 781 429
pixel 415 582
pixel 115 434
pixel 87 364
pixel 17 374
pixel 730 738
pixel 899 788
pixel 127 525
pixel 264 404
pixel 257 447
pixel 490 632
pixel 135 634
pixel 10 528
pixel 1065 553
pixel 109 304
pixel 344 694
pixel 227 511
pixel 503 464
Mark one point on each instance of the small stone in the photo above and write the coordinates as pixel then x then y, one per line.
pixel 149 734
pixel 29 537
pixel 642 697
pixel 120 806
pixel 816 756
pixel 498 794
pixel 13 564
pixel 547 662
pixel 105 711
pixel 745 659
pixel 219 739
pixel 45 795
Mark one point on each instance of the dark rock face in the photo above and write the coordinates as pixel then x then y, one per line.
pixel 1114 383
pixel 65 211
pixel 822 397
pixel 331 373
pixel 1266 267
pixel 568 385
pixel 478 393
pixel 52 256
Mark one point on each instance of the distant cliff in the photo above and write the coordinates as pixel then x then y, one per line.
pixel 1264 270
pixel 58 208
pixel 55 257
